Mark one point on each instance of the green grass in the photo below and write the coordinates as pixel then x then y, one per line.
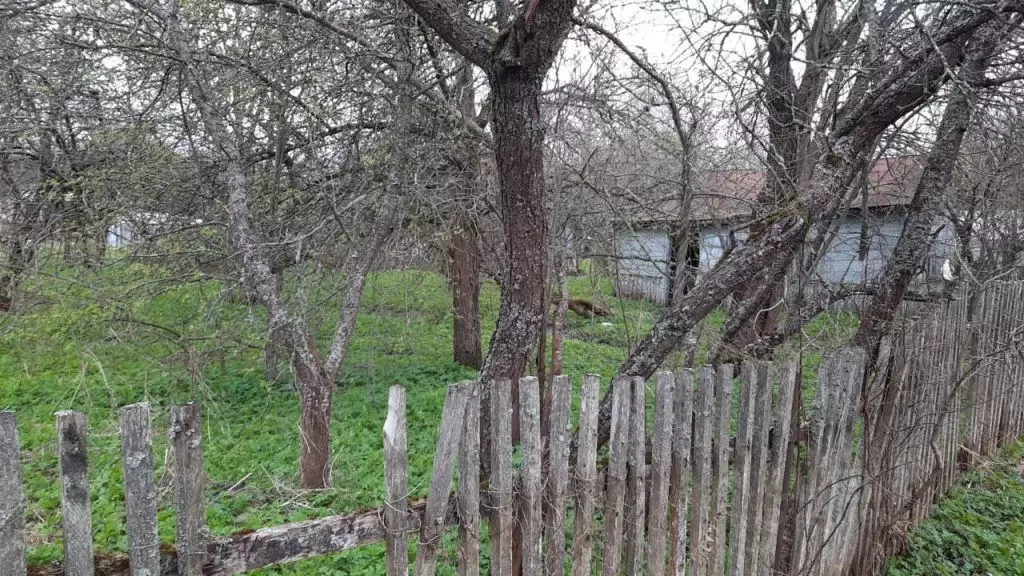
pixel 97 340
pixel 977 529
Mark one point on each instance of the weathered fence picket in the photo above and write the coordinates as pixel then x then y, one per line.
pixel 720 470
pixel 615 489
pixel 661 463
pixel 12 498
pixel 679 491
pixel 396 484
pixel 637 472
pixel 140 490
pixel 469 488
pixel 532 453
pixel 586 478
pixel 558 476
pixel 186 437
pixel 74 495
pixel 501 514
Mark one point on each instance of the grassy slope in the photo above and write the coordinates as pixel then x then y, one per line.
pixel 977 529
pixel 89 344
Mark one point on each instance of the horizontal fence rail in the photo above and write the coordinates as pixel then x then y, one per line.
pixel 719 471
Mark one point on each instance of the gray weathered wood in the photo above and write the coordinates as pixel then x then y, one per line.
pixel 140 490
pixel 186 437
pixel 299 541
pixel 615 482
pixel 558 475
pixel 396 484
pixel 636 483
pixel 679 492
pixel 773 498
pixel 469 488
pixel 500 483
pixel 741 488
pixel 531 496
pixel 586 477
pixel 74 477
pixel 12 499
pixel 758 461
pixel 701 494
pixel 661 463
pixel 448 436
pixel 720 468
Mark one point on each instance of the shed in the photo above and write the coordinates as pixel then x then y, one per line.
pixel 723 205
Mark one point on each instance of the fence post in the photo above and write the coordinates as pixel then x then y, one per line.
pixel 661 460
pixel 469 488
pixel 140 490
pixel 740 496
pixel 396 484
pixel 702 474
pixel 448 437
pixel 758 462
pixel 773 500
pixel 679 491
pixel 74 475
pixel 531 522
pixel 558 475
pixel 187 441
pixel 586 477
pixel 12 498
pixel 615 491
pixel 720 467
pixel 501 478
pixel 636 487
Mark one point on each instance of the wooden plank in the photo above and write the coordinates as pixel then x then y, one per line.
pixel 396 484
pixel 636 483
pixel 758 461
pixel 615 482
pixel 558 475
pixel 469 488
pixel 700 496
pixel 661 463
pixel 186 438
pixel 740 498
pixel 500 483
pixel 74 481
pixel 777 467
pixel 140 490
pixel 531 495
pixel 449 435
pixel 586 477
pixel 679 492
pixel 12 499
pixel 720 468
pixel 299 541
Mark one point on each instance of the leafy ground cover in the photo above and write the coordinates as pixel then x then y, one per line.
pixel 96 341
pixel 977 529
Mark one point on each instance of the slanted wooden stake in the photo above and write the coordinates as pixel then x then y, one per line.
pixel 635 490
pixel 396 484
pixel 679 492
pixel 74 481
pixel 441 481
pixel 501 478
pixel 586 478
pixel 12 499
pixel 140 490
pixel 469 488
pixel 186 436
pixel 615 487
pixel 558 476
pixel 532 524
pixel 661 459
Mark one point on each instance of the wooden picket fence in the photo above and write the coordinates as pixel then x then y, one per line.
pixel 718 481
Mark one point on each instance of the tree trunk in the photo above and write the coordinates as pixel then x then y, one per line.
pixel 519 152
pixel 911 252
pixel 316 391
pixel 465 271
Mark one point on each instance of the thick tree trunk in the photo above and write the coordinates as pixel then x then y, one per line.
pixel 316 392
pixel 465 278
pixel 519 152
